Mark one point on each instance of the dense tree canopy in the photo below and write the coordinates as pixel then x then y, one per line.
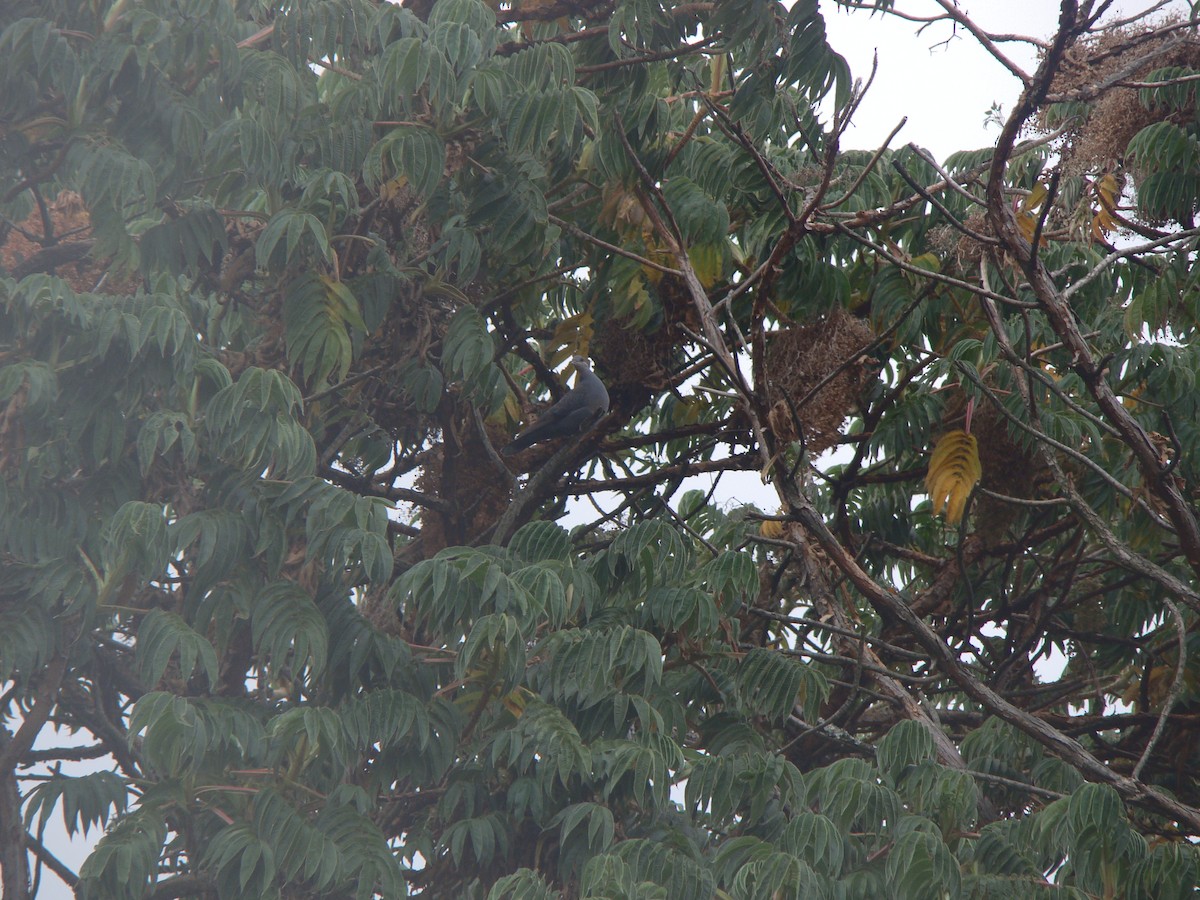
pixel 279 280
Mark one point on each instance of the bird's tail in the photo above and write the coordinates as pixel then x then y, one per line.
pixel 514 447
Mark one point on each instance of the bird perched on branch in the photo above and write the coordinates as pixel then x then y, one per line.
pixel 574 413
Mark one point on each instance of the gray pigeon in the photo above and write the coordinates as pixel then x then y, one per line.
pixel 574 413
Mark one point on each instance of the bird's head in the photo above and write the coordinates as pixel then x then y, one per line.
pixel 581 362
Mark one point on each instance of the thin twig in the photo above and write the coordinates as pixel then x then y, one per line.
pixel 867 169
pixel 1176 690
pixel 613 248
pixel 1136 250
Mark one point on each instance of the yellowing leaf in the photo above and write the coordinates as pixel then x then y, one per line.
pixel 572 336
pixel 1029 213
pixel 509 412
pixel 634 300
pixel 389 189
pixel 928 261
pixel 771 528
pixel 656 252
pixel 514 701
pixel 1107 190
pixel 1102 224
pixel 1035 198
pixel 621 210
pixel 1027 225
pixel 708 261
pixel 535 6
pixel 690 411
pixel 954 470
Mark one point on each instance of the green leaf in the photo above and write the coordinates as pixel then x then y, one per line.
pixel 487 837
pixel 302 852
pixel 473 14
pixel 291 227
pixel 773 875
pixel 523 884
pixel 732 577
pixel 584 830
pixel 540 541
pixel 459 42
pixel 689 610
pixel 920 866
pixel 138 537
pixel 243 861
pixel 88 800
pixel 815 839
pixel 469 350
pixel 371 865
pixel 161 636
pixel 124 861
pixel 589 665
pixel 411 152
pixel 722 786
pixel 425 385
pixel 495 650
pixel 319 315
pixel 545 739
pixel 772 684
pixel 288 630
pixel 491 87
pixel 252 423
pixel 182 244
pixel 907 744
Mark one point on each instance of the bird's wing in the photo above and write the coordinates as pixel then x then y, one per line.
pixel 575 410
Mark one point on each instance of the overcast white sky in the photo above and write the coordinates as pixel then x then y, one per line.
pixel 943 81
pixel 944 87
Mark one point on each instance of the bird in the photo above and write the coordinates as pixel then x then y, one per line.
pixel 574 413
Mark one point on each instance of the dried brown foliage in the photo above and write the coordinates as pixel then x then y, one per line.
pixel 1106 63
pixel 69 223
pixel 800 358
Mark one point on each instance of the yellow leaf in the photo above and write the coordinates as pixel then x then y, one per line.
pixel 689 411
pixel 1108 190
pixel 514 701
pixel 1102 224
pixel 928 261
pixel 1035 198
pixel 389 189
pixel 572 336
pixel 1027 225
pixel 1029 213
pixel 655 252
pixel 771 528
pixel 716 73
pixel 954 470
pixel 509 412
pixel 708 263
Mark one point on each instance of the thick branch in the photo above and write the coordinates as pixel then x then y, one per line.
pixel 14 863
pixel 44 700
pixel 1155 472
pixel 892 606
pixel 683 469
pixel 50 258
